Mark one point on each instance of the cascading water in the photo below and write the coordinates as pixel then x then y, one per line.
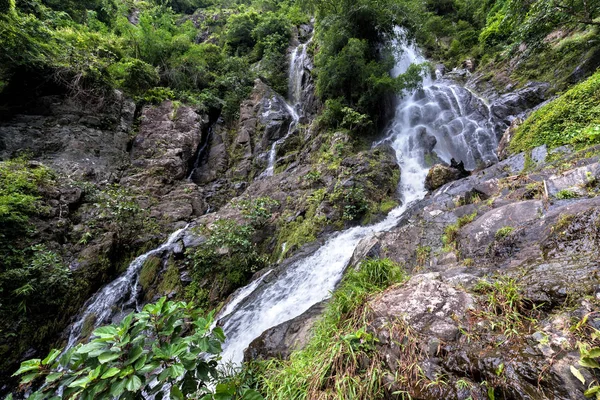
pixel 120 294
pixel 295 85
pixel 437 110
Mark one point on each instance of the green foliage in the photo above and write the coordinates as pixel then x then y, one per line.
pixel 352 61
pixel 505 309
pixel 90 46
pixel 329 366
pixel 355 204
pixel 168 342
pixel 566 194
pixel 451 231
pixel 229 252
pixel 257 211
pixel 118 209
pixel 20 186
pixel 573 118
pixel 504 232
pixel 134 75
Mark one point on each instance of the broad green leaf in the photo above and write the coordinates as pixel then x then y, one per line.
pixel 117 388
pixel 90 347
pixel 110 373
pixel 177 370
pixel 53 377
pixel 95 373
pixel 65 358
pixel 577 374
pixel 107 357
pixel 29 377
pixel 28 365
pixel 589 362
pixel 591 391
pixel 594 353
pixel 225 389
pixel 81 382
pixel 134 354
pixel 134 383
pixel 176 393
pixel 140 362
pixel 105 331
pixel 126 371
pixel 219 334
pixel 51 357
pixel 149 367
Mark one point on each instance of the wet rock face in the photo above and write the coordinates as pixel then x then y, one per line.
pixel 83 141
pixel 264 119
pixel 280 341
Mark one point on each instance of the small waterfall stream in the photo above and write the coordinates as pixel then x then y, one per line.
pixel 441 119
pixel 295 86
pixel 120 294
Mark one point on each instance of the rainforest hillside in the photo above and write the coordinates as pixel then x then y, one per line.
pixel 299 199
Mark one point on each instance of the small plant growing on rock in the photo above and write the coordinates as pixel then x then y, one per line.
pixel 257 211
pixel 423 253
pixel 451 231
pixel 566 194
pixel 589 350
pixel 504 306
pixel 504 232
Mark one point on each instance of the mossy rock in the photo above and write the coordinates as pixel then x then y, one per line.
pixel 149 271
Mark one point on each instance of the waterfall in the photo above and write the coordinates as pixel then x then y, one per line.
pixel 120 294
pixel 296 80
pixel 442 119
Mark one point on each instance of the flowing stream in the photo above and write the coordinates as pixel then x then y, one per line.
pixel 119 295
pixel 441 120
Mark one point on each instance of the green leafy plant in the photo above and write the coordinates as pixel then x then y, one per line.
pixel 504 232
pixel 168 346
pixel 257 211
pixel 566 194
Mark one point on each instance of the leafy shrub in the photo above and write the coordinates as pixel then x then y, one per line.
pixel 167 345
pixel 504 232
pixel 228 253
pixel 134 75
pixel 239 38
pixel 257 211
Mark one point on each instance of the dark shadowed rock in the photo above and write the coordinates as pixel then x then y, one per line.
pixel 282 340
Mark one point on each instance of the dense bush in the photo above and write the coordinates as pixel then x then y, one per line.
pixel 87 47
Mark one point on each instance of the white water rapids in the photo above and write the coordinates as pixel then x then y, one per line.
pixel 118 295
pixel 437 110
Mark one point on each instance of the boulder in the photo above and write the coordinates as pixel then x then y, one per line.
pixel 440 174
pixel 281 340
pixel 510 105
pixel 426 304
